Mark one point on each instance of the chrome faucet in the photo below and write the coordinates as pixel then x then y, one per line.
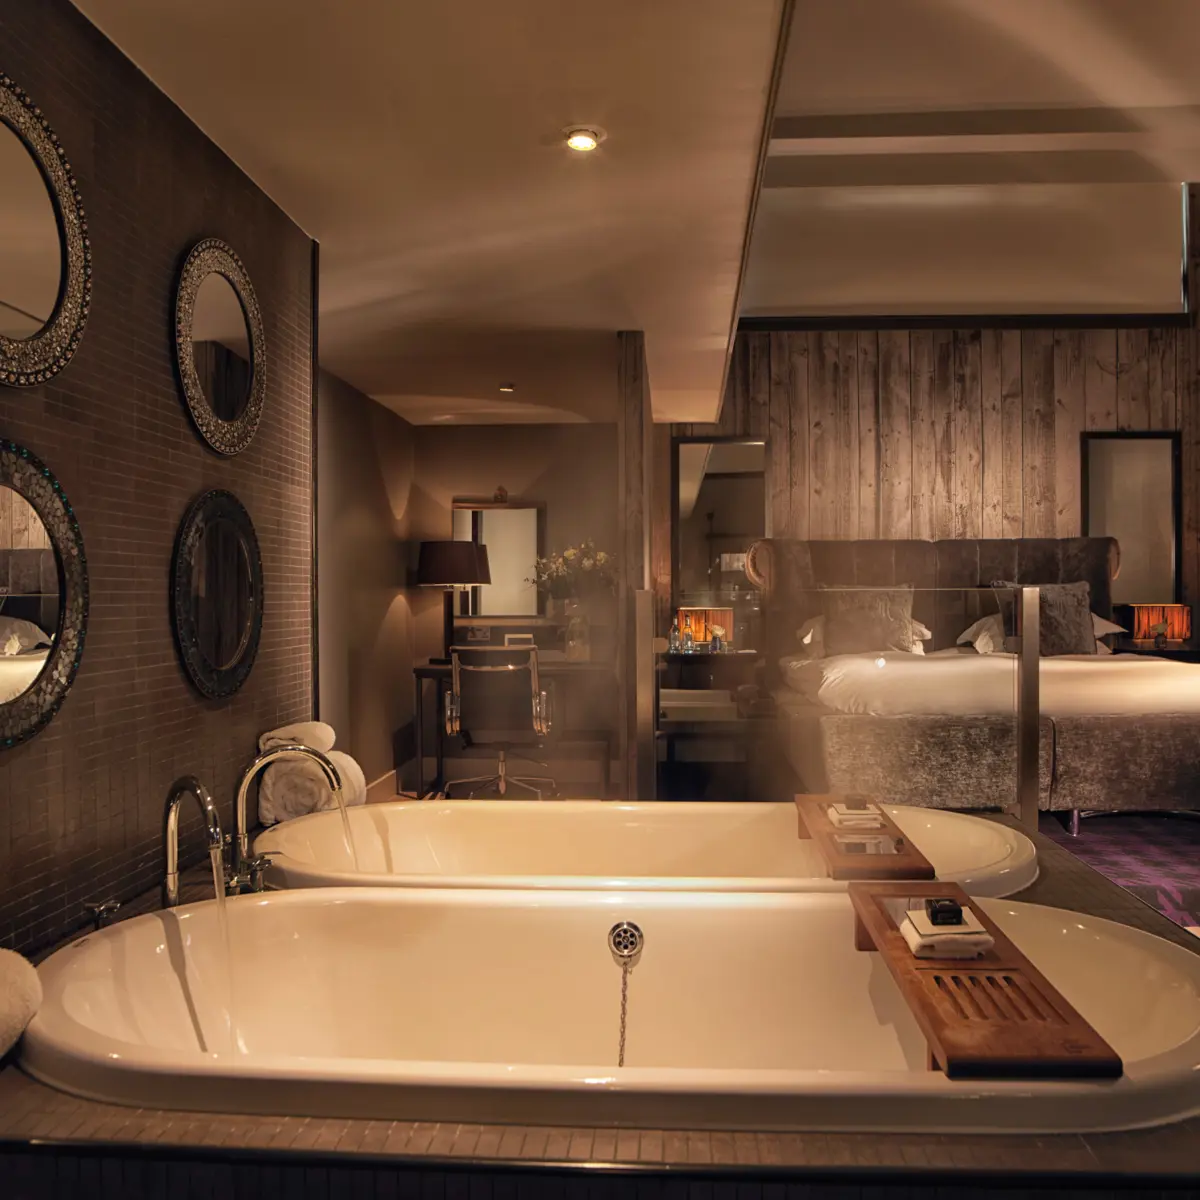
pixel 187 785
pixel 247 871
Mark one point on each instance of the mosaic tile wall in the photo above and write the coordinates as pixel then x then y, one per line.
pixel 81 804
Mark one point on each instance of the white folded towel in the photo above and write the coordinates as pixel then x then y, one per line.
pixel 946 944
pixel 20 997
pixel 856 821
pixel 293 787
pixel 314 734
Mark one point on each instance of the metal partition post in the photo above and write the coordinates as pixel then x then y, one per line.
pixel 643 681
pixel 1028 608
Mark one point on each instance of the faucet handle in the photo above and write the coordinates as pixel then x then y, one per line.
pixel 101 911
pixel 257 867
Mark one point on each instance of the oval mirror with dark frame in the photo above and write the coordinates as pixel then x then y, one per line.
pixel 43 595
pixel 45 256
pixel 220 347
pixel 217 594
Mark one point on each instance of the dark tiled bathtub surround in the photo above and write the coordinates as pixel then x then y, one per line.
pixel 81 804
pixel 396 1158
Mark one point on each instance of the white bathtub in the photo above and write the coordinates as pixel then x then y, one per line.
pixel 745 1011
pixel 606 844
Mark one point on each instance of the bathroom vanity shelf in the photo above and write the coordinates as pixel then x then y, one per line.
pixel 885 854
pixel 992 1017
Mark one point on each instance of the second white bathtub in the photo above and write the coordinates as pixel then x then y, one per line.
pixel 611 845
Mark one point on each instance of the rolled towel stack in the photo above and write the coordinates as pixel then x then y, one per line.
pixel 20 997
pixel 293 787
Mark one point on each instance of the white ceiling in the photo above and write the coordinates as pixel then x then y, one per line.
pixel 979 155
pixel 461 243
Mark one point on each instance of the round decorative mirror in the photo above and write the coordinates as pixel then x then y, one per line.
pixel 217 593
pixel 43 595
pixel 45 257
pixel 220 349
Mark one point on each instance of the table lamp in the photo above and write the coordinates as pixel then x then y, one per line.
pixel 451 565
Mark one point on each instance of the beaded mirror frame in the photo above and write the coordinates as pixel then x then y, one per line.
pixel 216 683
pixel 29 362
pixel 34 708
pixel 206 257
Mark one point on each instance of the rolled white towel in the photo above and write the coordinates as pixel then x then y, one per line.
pixel 945 944
pixel 293 787
pixel 20 997
pixel 314 734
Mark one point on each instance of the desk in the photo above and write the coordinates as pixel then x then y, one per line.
pixel 550 668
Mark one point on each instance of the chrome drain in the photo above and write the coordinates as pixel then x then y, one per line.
pixel 626 940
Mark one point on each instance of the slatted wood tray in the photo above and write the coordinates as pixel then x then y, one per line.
pixel 907 863
pixel 993 1017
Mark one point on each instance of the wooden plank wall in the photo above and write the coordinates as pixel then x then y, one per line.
pixel 20 527
pixel 938 433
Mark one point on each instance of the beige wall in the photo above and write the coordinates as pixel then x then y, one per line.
pixel 572 469
pixel 365 473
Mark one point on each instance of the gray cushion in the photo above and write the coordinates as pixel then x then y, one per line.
pixel 1066 617
pixel 862 620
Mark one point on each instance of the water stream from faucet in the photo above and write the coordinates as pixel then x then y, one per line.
pixel 226 952
pixel 347 832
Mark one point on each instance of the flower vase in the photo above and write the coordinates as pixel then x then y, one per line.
pixel 579 646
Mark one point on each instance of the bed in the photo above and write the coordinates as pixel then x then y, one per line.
pixel 18 671
pixel 1117 732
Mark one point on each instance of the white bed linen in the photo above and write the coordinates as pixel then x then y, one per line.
pixel 18 671
pixel 892 684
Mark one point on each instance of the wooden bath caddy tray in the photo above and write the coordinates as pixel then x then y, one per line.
pixel 902 861
pixel 993 1017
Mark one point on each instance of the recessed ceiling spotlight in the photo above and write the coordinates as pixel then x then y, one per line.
pixel 508 387
pixel 583 140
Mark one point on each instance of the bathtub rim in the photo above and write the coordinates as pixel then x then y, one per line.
pixel 1003 876
pixel 1161 1079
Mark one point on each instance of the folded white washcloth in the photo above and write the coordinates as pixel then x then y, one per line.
pixel 856 821
pixel 293 787
pixel 20 997
pixel 314 734
pixel 946 944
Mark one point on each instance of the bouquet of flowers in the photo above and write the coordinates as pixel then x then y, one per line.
pixel 578 570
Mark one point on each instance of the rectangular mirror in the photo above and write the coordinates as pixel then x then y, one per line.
pixel 514 534
pixel 719 503
pixel 1131 491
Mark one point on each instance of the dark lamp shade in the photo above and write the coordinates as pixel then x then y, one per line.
pixel 452 564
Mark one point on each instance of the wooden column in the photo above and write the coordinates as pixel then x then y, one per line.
pixel 634 496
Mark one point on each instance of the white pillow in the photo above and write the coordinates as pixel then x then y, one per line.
pixel 28 635
pixel 1102 628
pixel 987 634
pixel 812 637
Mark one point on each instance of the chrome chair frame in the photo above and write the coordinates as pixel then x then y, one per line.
pixel 542 720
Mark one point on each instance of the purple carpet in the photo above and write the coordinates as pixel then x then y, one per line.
pixel 1157 858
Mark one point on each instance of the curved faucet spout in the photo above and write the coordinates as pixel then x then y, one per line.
pixel 290 750
pixel 186 785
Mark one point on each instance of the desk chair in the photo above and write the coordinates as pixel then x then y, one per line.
pixel 496 700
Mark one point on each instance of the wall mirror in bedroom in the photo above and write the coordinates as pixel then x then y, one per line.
pixel 514 533
pixel 45 266
pixel 217 594
pixel 718 502
pixel 1131 490
pixel 43 594
pixel 220 347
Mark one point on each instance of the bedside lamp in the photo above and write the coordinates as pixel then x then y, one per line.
pixel 451 565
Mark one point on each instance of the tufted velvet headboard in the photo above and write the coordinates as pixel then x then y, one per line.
pixel 789 572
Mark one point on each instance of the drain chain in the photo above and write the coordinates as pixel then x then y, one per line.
pixel 625 940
